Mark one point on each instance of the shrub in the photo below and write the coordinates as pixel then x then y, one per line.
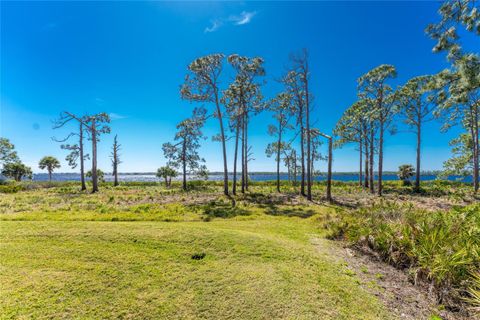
pixel 10 188
pixel 440 247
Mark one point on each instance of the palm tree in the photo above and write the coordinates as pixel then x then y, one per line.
pixel 50 163
pixel 405 172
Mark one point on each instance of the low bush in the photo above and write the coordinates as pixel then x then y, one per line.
pixel 10 188
pixel 440 247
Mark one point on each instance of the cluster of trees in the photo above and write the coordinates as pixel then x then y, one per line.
pixel 238 103
pixel 90 127
pixel 12 167
pixel 453 95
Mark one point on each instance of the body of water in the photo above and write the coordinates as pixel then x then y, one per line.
pixel 148 177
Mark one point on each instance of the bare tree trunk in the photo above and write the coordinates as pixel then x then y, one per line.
pixel 360 171
pixel 295 169
pixel 243 153
pixel 184 164
pixel 234 186
pixel 246 152
pixel 309 155
pixel 380 160
pixel 372 153
pixel 309 161
pixel 224 148
pixel 302 150
pixel 278 153
pixel 476 146
pixel 50 175
pixel 367 172
pixel 115 182
pixel 380 143
pixel 94 157
pixel 329 175
pixel 115 162
pixel 419 141
pixel 82 165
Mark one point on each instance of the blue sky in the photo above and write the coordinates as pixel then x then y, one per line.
pixel 129 59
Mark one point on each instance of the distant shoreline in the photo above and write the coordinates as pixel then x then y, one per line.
pixel 215 173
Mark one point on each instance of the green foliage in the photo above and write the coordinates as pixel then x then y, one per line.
pixel 50 163
pixel 11 188
pixel 100 175
pixel 474 292
pixel 405 173
pixel 167 173
pixel 184 153
pixel 441 247
pixel 16 171
pixel 415 100
pixel 464 13
pixel 7 151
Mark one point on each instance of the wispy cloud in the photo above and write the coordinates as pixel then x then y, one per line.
pixel 116 116
pixel 243 18
pixel 237 20
pixel 99 101
pixel 215 25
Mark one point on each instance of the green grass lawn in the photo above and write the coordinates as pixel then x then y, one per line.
pixel 126 252
pixel 256 266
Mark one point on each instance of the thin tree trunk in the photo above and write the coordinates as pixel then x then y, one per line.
pixel 380 160
pixel 243 153
pixel 302 150
pixel 380 143
pixel 309 155
pixel 419 141
pixel 115 182
pixel 295 170
pixel 372 153
pixel 50 175
pixel 278 153
pixel 367 154
pixel 329 176
pixel 184 165
pixel 476 151
pixel 234 186
pixel 224 148
pixel 94 157
pixel 246 151
pixel 82 165
pixel 360 171
pixel 115 162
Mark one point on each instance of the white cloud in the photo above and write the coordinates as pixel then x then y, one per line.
pixel 215 25
pixel 243 18
pixel 116 116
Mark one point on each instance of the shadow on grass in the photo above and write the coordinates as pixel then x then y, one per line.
pixel 273 198
pixel 274 210
pixel 224 210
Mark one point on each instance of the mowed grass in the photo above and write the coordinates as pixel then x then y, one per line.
pixel 255 266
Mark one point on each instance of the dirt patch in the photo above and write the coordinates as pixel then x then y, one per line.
pixel 392 286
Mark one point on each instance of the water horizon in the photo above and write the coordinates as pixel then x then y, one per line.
pixel 253 176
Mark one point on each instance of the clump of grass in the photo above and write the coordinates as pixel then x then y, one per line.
pixel 474 291
pixel 198 256
pixel 440 247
